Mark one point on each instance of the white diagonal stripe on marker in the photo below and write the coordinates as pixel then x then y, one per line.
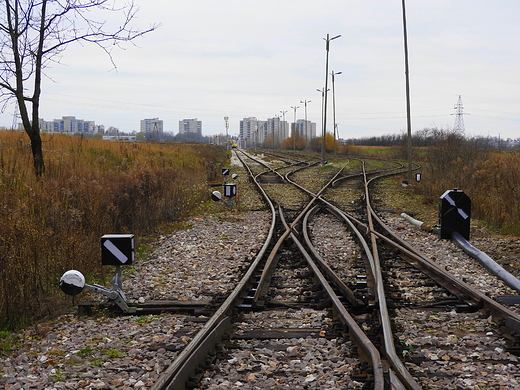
pixel 450 201
pixel 463 214
pixel 459 210
pixel 115 251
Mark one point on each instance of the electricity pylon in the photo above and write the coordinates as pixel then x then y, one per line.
pixel 459 120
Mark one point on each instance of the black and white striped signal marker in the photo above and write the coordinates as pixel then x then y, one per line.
pixel 117 249
pixel 120 256
pixel 454 214
pixel 230 190
pixel 452 203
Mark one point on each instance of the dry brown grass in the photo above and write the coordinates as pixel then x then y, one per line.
pixel 490 178
pixel 91 187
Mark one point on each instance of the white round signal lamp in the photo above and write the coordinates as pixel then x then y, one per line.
pixel 72 282
pixel 216 196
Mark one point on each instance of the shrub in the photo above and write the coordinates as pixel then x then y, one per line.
pixel 489 178
pixel 91 187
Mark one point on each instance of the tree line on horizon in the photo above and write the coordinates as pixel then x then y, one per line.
pixel 430 137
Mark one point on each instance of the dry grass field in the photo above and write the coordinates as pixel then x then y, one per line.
pixel 490 177
pixel 91 187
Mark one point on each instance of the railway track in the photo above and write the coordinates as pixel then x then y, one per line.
pixel 336 297
pixel 251 294
pixel 414 282
pixel 297 279
pixel 255 293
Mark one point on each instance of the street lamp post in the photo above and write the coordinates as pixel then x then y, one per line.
pixel 283 122
pixel 322 91
pixel 294 127
pixel 274 127
pixel 334 109
pixel 227 126
pixel 305 127
pixel 327 41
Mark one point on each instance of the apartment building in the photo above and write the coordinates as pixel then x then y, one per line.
pixel 68 124
pixel 306 129
pixel 152 126
pixel 190 126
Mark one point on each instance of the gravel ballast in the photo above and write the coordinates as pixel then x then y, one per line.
pixel 128 351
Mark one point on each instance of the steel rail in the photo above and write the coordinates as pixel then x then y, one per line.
pixel 417 259
pixel 447 280
pixel 400 377
pixel 272 259
pixel 271 263
pixel 185 364
pixel 510 319
pixel 388 339
pixel 399 169
pixel 347 293
pixel 268 168
pixel 370 352
pixel 394 380
pixel 177 374
pixel 339 213
pixel 289 157
pixel 404 378
pixel 451 283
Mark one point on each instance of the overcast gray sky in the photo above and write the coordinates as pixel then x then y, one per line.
pixel 242 58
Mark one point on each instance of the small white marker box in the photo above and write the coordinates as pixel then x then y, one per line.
pixel 117 249
pixel 230 190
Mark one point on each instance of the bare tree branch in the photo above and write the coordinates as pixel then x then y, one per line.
pixel 34 33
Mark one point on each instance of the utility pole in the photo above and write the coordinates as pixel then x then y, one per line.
pixel 408 115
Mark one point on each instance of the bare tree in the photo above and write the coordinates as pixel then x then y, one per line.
pixel 34 33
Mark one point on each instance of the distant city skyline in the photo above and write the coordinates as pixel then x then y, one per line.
pixel 250 130
pixel 245 59
pixel 242 59
pixel 71 123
